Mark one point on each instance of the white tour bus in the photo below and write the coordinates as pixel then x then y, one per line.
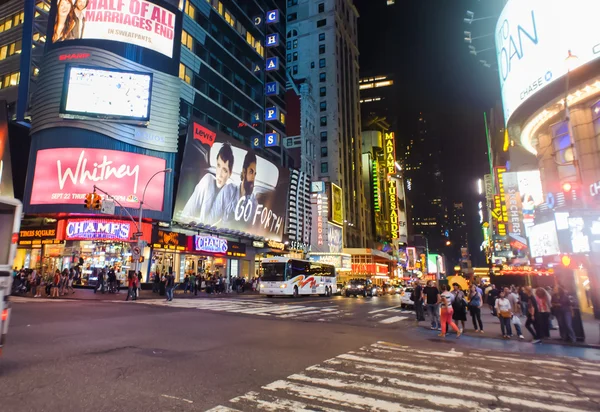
pixel 294 277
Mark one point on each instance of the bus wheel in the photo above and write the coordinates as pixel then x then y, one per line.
pixel 295 291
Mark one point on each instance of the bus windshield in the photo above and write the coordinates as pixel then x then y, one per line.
pixel 273 272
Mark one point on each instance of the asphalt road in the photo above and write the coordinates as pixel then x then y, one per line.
pixel 249 353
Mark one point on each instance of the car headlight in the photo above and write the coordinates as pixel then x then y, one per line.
pixel 283 286
pixel 359 287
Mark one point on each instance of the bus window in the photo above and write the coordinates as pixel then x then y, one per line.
pixel 273 272
pixel 300 268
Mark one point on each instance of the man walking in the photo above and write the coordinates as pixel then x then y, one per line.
pixel 417 297
pixel 432 295
pixel 170 285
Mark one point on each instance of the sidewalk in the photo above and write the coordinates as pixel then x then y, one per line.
pixel 491 326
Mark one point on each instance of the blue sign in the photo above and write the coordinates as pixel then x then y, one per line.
pixel 255 117
pixel 210 244
pixel 270 113
pixel 271 139
pixel 272 64
pixel 256 142
pixel 273 40
pixel 273 16
pixel 272 88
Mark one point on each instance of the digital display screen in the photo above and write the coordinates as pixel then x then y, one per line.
pixel 108 94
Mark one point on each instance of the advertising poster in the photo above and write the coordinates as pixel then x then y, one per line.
pixel 6 178
pixel 227 185
pixel 532 195
pixel 512 197
pixel 543 240
pixel 337 207
pixel 66 175
pixel 136 22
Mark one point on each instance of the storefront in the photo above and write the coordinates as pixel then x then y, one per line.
pixel 96 244
pixel 38 248
pixel 370 263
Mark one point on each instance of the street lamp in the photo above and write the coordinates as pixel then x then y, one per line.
pixel 139 242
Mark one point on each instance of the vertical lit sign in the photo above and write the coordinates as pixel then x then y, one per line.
pixel 272 16
pixel 271 113
pixel 271 139
pixel 375 176
pixel 390 166
pixel 322 211
pixel 499 212
pixel 272 64
pixel 272 40
pixel 271 89
pixel 411 258
pixel 256 142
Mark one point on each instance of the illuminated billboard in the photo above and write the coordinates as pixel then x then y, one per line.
pixel 390 168
pixel 66 175
pixel 543 240
pixel 533 40
pixel 106 94
pixel 337 208
pixel 225 184
pixel 138 22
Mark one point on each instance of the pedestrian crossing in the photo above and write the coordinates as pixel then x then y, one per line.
pixel 256 308
pixel 390 377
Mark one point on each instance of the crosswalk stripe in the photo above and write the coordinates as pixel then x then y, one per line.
pixel 276 404
pixel 384 309
pixel 393 319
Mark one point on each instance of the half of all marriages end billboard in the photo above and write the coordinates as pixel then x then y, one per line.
pixel 225 184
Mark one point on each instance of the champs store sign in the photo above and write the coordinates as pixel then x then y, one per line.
pixel 390 167
pixel 136 22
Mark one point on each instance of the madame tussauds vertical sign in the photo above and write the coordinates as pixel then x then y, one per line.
pixel 136 22
pixel 390 167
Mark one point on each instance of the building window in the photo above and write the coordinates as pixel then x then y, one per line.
pixel 324 167
pixel 187 40
pixel 321 49
pixel 322 63
pixel 295 56
pixel 190 10
pixel 321 23
pixel 323 106
pixel 292 3
pixel 292 33
pixel 323 136
pixel 322 77
pixel 324 121
pixel 289 45
pixel 295 44
pixel 295 70
pixel 292 16
pixel 185 73
pixel 282 118
pixel 321 36
pixel 9 80
pixel 323 91
pixel 324 151
pixel 229 18
pixel 321 7
pixel 312 65
pixel 289 58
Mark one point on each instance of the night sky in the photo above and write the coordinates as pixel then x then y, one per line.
pixel 422 43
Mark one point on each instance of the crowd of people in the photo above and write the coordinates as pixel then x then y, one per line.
pixel 211 283
pixel 50 284
pixel 448 308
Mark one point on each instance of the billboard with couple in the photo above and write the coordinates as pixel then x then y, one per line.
pixel 225 184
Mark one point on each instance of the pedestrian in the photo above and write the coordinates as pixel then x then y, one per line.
pixel 564 315
pixel 504 311
pixel 156 283
pixel 446 312
pixel 417 298
pixel 193 283
pixel 523 299
pixel 186 283
pixel 170 285
pixel 433 300
pixel 475 304
pixel 532 315
pixel 70 278
pixel 139 284
pixel 459 306
pixel 48 283
pixel 131 284
pixel 55 283
pixel 544 304
pixel 100 281
pixel 492 295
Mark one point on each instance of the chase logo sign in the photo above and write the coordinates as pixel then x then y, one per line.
pixel 271 89
pixel 272 40
pixel 273 16
pixel 210 244
pixel 272 64
pixel 97 229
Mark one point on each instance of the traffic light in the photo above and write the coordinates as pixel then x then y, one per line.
pixel 565 260
pixel 88 200
pixel 96 202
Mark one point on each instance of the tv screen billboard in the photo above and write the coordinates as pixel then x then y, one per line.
pixel 137 22
pixel 106 93
pixel 543 240
pixel 225 184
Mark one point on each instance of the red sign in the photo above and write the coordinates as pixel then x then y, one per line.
pixel 101 229
pixel 65 176
pixel 73 56
pixel 204 135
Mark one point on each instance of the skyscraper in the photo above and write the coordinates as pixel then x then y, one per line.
pixel 321 43
pixel 422 157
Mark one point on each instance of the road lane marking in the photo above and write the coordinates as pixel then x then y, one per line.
pixel 384 309
pixel 175 397
pixel 393 319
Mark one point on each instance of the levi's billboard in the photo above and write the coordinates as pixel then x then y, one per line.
pixel 138 22
pixel 227 185
pixel 66 175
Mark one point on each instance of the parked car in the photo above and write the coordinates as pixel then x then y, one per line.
pixel 389 289
pixel 361 287
pixel 406 302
